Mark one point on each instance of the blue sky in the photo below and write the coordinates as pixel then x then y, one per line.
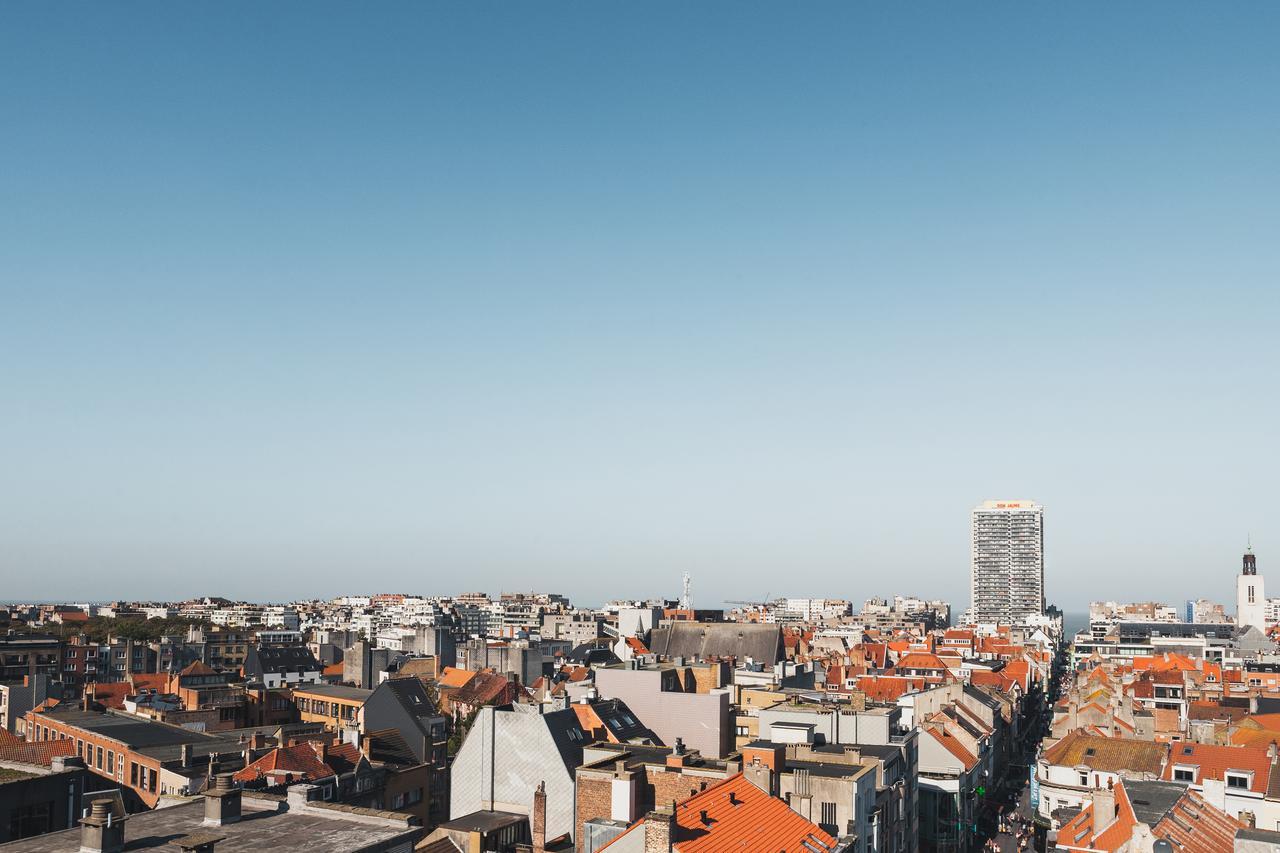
pixel 303 299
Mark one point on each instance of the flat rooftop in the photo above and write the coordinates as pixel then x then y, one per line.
pixel 263 827
pixel 334 691
pixel 484 821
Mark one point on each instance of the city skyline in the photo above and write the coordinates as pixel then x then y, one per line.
pixel 292 298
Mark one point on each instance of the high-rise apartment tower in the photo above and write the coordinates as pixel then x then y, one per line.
pixel 1007 573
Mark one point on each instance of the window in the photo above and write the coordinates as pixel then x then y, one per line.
pixel 26 821
pixel 111 763
pixel 1184 774
pixel 1084 780
pixel 1237 780
pixel 98 763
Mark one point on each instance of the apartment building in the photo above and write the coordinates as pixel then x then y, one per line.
pixel 1007 569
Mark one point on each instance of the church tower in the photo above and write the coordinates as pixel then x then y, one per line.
pixel 1251 598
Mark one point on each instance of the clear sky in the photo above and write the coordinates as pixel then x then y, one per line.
pixel 299 299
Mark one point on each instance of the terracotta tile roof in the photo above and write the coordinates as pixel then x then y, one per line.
pixel 1078 833
pixel 198 668
pixel 735 815
pixel 41 752
pixel 921 660
pixel 454 677
pixel 1214 711
pixel 1212 762
pixel 886 688
pixel 300 760
pixel 953 746
pixel 1106 754
pixel 1194 826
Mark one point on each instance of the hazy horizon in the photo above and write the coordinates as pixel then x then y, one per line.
pixel 299 300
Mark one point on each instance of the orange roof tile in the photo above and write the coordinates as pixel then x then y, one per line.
pixel 41 752
pixel 454 677
pixel 1213 761
pixel 736 815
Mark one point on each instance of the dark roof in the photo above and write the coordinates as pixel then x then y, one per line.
pixel 484 821
pixel 336 691
pixel 283 658
pixel 1151 801
pixel 412 694
pixel 132 731
pixel 321 828
pixel 591 654
pixel 705 640
pixel 983 697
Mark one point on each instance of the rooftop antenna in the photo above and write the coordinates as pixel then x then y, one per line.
pixel 686 597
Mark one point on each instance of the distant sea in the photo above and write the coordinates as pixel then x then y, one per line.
pixel 1072 622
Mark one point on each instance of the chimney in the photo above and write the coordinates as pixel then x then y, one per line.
pixel 222 801
pixel 658 829
pixel 1104 808
pixel 184 752
pixel 538 820
pixel 475 842
pixel 257 741
pixel 1249 819
pixel 322 749
pixel 101 832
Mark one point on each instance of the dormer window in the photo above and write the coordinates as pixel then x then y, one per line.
pixel 1238 781
pixel 1183 773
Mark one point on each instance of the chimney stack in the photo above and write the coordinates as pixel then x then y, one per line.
pixel 101 831
pixel 658 829
pixel 538 820
pixel 222 801
pixel 184 752
pixel 1104 808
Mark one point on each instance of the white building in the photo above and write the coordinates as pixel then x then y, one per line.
pixel 1251 598
pixel 1007 570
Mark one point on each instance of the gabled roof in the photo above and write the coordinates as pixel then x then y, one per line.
pixel 706 640
pixel 454 677
pixel 1080 832
pixel 300 760
pixel 197 668
pixel 953 746
pixel 736 815
pixel 1106 754
pixel 1194 826
pixel 41 752
pixel 1213 762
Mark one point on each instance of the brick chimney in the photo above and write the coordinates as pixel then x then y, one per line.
pixel 101 832
pixel 222 801
pixel 538 819
pixel 659 826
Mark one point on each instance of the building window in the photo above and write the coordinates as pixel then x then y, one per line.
pixel 26 821
pixel 1237 780
pixel 1184 774
pixel 1084 780
pixel 98 763
pixel 111 763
